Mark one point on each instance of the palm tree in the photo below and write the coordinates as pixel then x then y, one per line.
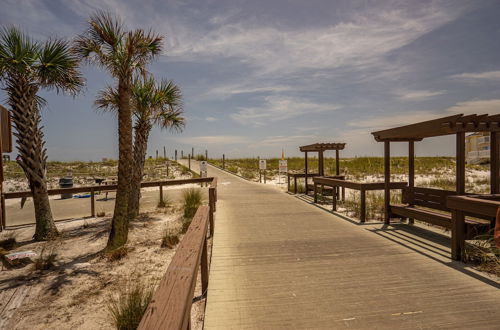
pixel 154 104
pixel 124 55
pixel 27 66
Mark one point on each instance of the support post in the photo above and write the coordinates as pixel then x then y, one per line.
pixel 211 204
pixel 164 152
pixel 156 154
pixel 363 206
pixel 223 161
pixel 189 162
pixel 206 155
pixel 495 162
pixel 288 182
pixel 334 199
pixel 460 163
pixel 457 234
pixel 3 225
pixel 175 154
pixel 192 152
pixel 295 185
pixel 92 202
pixel 387 182
pixel 161 194
pixel 411 171
pixel 315 193
pixel 320 164
pixel 337 163
pixel 305 168
pixel 204 267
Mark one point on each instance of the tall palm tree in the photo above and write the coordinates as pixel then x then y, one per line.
pixel 154 104
pixel 124 54
pixel 27 66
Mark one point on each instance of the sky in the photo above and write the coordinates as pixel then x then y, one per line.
pixel 261 76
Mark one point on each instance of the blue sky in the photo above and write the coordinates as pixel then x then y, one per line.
pixel 258 76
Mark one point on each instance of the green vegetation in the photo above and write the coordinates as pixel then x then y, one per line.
pixel 192 199
pixel 128 307
pixel 170 238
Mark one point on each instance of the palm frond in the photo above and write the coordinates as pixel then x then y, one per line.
pixel 107 100
pixel 18 52
pixel 58 67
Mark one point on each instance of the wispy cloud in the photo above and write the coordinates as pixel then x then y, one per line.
pixel 213 140
pixel 418 95
pixel 211 119
pixel 491 106
pixel 389 121
pixel 488 75
pixel 277 108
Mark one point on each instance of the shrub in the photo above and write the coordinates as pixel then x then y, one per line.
pixel 165 203
pixel 47 258
pixel 192 200
pixel 101 214
pixel 8 241
pixel 483 252
pixel 128 307
pixel 170 238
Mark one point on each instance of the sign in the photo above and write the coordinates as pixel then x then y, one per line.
pixel 5 130
pixel 283 166
pixel 262 164
pixel 203 166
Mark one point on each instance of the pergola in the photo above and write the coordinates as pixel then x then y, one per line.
pixel 457 125
pixel 320 148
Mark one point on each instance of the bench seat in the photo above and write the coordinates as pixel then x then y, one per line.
pixel 439 219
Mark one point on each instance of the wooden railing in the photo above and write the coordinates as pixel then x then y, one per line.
pixel 363 187
pixel 112 187
pixel 480 205
pixel 170 307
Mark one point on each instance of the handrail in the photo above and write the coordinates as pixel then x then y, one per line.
pixel 170 307
pixel 482 205
pixel 111 187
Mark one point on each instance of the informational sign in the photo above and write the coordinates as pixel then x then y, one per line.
pixel 283 166
pixel 262 164
pixel 203 174
pixel 203 166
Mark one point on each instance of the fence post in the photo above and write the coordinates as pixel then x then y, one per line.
pixel 211 204
pixel 457 234
pixel 189 162
pixel 92 202
pixel 223 161
pixel 161 194
pixel 204 267
pixel 363 206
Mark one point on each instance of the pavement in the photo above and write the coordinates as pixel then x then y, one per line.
pixel 280 262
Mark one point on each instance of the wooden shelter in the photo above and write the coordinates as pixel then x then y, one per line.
pixel 320 148
pixel 428 198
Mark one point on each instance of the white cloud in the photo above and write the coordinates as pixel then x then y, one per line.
pixel 213 140
pixel 476 107
pixel 489 75
pixel 360 41
pixel 228 90
pixel 277 108
pixel 417 95
pixel 404 118
pixel 211 119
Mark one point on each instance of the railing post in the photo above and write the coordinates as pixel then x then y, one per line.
pixel 295 185
pixel 211 204
pixel 204 268
pixel 363 206
pixel 3 222
pixel 457 234
pixel 334 199
pixel 92 202
pixel 315 193
pixel 161 194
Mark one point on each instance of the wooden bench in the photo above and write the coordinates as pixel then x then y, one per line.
pixel 431 199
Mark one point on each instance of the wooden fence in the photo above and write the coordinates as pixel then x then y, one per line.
pixel 97 188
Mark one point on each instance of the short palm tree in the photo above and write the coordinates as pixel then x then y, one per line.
pixel 124 55
pixel 26 67
pixel 154 104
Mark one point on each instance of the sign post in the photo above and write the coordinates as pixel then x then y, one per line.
pixel 282 168
pixel 203 168
pixel 262 167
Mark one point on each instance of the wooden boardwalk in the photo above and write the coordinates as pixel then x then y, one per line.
pixel 279 262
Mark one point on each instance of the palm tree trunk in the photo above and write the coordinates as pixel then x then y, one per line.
pixel 142 130
pixel 31 146
pixel 119 224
